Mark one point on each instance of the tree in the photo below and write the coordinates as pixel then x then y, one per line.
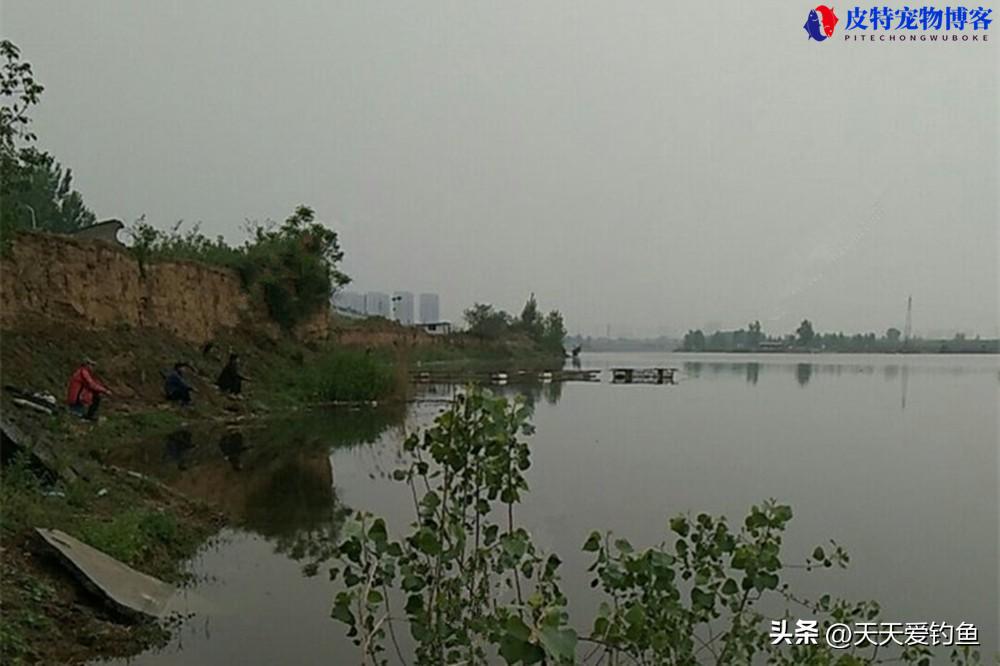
pixel 46 196
pixel 33 186
pixel 20 92
pixel 805 332
pixel 486 322
pixel 893 335
pixel 755 336
pixel 694 341
pixel 555 331
pixel 296 264
pixel 531 321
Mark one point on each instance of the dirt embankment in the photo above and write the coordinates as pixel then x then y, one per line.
pixel 93 285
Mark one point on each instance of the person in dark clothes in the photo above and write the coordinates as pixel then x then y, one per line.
pixel 230 379
pixel 176 387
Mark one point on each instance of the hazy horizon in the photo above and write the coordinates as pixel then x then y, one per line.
pixel 650 167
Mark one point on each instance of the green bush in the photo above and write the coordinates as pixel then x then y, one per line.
pixel 350 375
pixel 479 591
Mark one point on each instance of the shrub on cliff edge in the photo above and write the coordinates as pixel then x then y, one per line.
pixel 292 266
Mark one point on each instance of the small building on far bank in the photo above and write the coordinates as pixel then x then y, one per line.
pixel 436 327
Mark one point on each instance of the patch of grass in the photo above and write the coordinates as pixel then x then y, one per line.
pixel 134 426
pixel 134 535
pixel 23 618
pixel 149 535
pixel 332 374
pixel 461 354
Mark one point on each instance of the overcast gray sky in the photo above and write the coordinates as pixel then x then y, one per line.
pixel 652 165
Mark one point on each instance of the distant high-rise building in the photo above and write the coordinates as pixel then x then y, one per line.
pixel 377 304
pixel 429 308
pixel 403 307
pixel 350 301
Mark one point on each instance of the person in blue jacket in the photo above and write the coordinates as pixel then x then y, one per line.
pixel 176 387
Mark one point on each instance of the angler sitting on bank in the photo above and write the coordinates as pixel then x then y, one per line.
pixel 230 379
pixel 84 392
pixel 175 387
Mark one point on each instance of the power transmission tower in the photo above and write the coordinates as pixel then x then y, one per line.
pixel 908 331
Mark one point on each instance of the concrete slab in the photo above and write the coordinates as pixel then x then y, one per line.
pixel 130 592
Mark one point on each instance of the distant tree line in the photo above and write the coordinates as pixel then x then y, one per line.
pixel 806 338
pixel 489 323
pixel 589 343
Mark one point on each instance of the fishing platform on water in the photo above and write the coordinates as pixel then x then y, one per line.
pixel 618 376
pixel 510 376
pixel 643 375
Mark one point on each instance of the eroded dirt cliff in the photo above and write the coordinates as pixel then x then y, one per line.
pixel 92 285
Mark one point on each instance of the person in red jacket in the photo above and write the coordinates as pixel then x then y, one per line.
pixel 84 392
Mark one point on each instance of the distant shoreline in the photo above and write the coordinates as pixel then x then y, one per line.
pixel 873 352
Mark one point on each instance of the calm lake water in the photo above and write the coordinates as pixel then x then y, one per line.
pixel 894 457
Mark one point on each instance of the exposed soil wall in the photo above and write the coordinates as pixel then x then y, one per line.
pixel 92 285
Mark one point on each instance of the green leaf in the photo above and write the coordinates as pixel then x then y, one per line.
pixel 514 651
pixel 593 542
pixel 783 513
pixel 730 587
pixel 765 581
pixel 412 583
pixel 431 500
pixel 427 542
pixel 661 560
pixel 818 554
pixel 636 615
pixel 341 611
pixel 679 525
pixel 560 643
pixel 516 627
pixel 514 545
pixel 623 545
pixel 701 599
pixel 377 531
pixel 551 564
pixel 414 604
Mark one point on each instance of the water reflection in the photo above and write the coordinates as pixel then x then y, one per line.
pixel 803 371
pixel 176 447
pixel 232 447
pixel 272 478
pixel 823 433
pixel 296 507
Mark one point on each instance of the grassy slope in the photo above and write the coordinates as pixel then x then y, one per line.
pixel 159 530
pixel 149 528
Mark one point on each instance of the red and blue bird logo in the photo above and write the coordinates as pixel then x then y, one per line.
pixel 820 23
